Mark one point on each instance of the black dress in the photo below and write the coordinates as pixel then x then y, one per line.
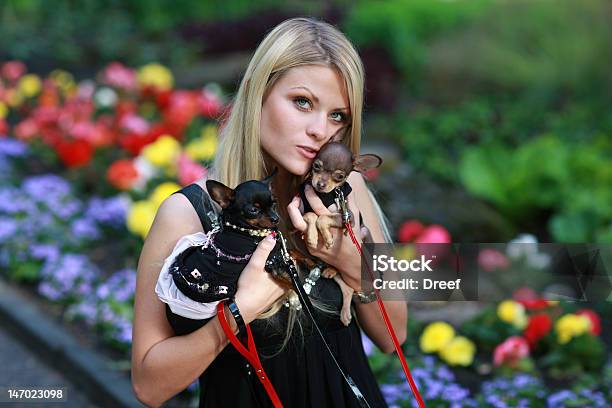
pixel 302 373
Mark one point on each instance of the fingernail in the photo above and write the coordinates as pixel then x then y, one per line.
pixel 271 237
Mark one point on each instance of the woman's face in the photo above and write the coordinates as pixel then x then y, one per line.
pixel 305 108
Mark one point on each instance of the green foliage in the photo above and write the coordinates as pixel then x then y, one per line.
pixel 545 174
pixel 583 353
pixel 405 27
pixel 94 32
pixel 487 330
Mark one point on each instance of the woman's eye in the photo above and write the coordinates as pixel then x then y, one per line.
pixel 339 117
pixel 302 102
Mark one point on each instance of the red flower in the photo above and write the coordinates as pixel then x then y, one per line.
pixel 409 230
pixel 539 326
pixel 534 304
pixel 594 318
pixel 134 142
pixel 122 174
pixel 74 153
pixel 3 128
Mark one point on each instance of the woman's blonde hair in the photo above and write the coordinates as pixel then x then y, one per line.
pixel 293 43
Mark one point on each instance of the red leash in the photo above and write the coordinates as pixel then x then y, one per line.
pixel 383 311
pixel 250 354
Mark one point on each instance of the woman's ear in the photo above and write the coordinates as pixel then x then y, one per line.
pixel 221 193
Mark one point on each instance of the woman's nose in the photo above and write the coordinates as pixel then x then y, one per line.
pixel 318 127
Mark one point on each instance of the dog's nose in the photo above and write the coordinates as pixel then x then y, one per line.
pixel 321 185
pixel 274 219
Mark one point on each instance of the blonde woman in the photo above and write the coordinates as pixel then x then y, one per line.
pixel 303 87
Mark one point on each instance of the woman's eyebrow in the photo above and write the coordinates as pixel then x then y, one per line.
pixel 314 97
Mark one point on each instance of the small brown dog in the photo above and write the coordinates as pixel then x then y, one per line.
pixel 330 170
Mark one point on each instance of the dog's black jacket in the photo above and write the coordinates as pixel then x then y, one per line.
pixel 327 198
pixel 216 281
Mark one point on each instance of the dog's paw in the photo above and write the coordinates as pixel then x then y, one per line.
pixel 329 273
pixel 345 316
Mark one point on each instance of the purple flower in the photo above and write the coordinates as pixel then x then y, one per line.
pixel 124 331
pixel 12 147
pixel 108 211
pixel 84 229
pixel 13 201
pixel 71 274
pixel 45 186
pixel 49 291
pixel 45 252
pixel 368 346
pixel 67 209
pixel 86 309
pixel 8 228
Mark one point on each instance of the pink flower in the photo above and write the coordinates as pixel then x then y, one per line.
pixel 13 70
pixel 134 124
pixel 118 75
pixel 434 234
pixel 511 351
pixel 491 259
pixel 210 104
pixel 26 129
pixel 189 171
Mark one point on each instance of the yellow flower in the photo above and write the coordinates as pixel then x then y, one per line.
pixel 435 336
pixel 570 326
pixel 3 110
pixel 162 192
pixel 140 218
pixel 204 148
pixel 512 312
pixel 156 76
pixel 29 85
pixel 64 80
pixel 163 152
pixel 460 351
pixel 406 251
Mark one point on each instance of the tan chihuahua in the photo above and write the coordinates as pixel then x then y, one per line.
pixel 330 169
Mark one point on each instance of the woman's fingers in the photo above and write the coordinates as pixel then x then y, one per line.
pixel 295 215
pixel 315 202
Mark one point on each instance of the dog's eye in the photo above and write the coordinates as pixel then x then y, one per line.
pixel 253 210
pixel 338 176
pixel 316 166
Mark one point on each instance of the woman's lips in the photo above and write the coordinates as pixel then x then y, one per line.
pixel 307 153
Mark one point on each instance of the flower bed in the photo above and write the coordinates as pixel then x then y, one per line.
pixel 84 168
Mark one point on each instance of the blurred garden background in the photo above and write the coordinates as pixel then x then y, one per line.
pixel 493 118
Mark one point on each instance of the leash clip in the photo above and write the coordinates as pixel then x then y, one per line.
pixel 343 206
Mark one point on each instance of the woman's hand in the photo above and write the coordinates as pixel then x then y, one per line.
pixel 343 254
pixel 257 290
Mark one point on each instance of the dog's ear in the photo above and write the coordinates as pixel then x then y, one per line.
pixel 268 179
pixel 366 161
pixel 221 193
